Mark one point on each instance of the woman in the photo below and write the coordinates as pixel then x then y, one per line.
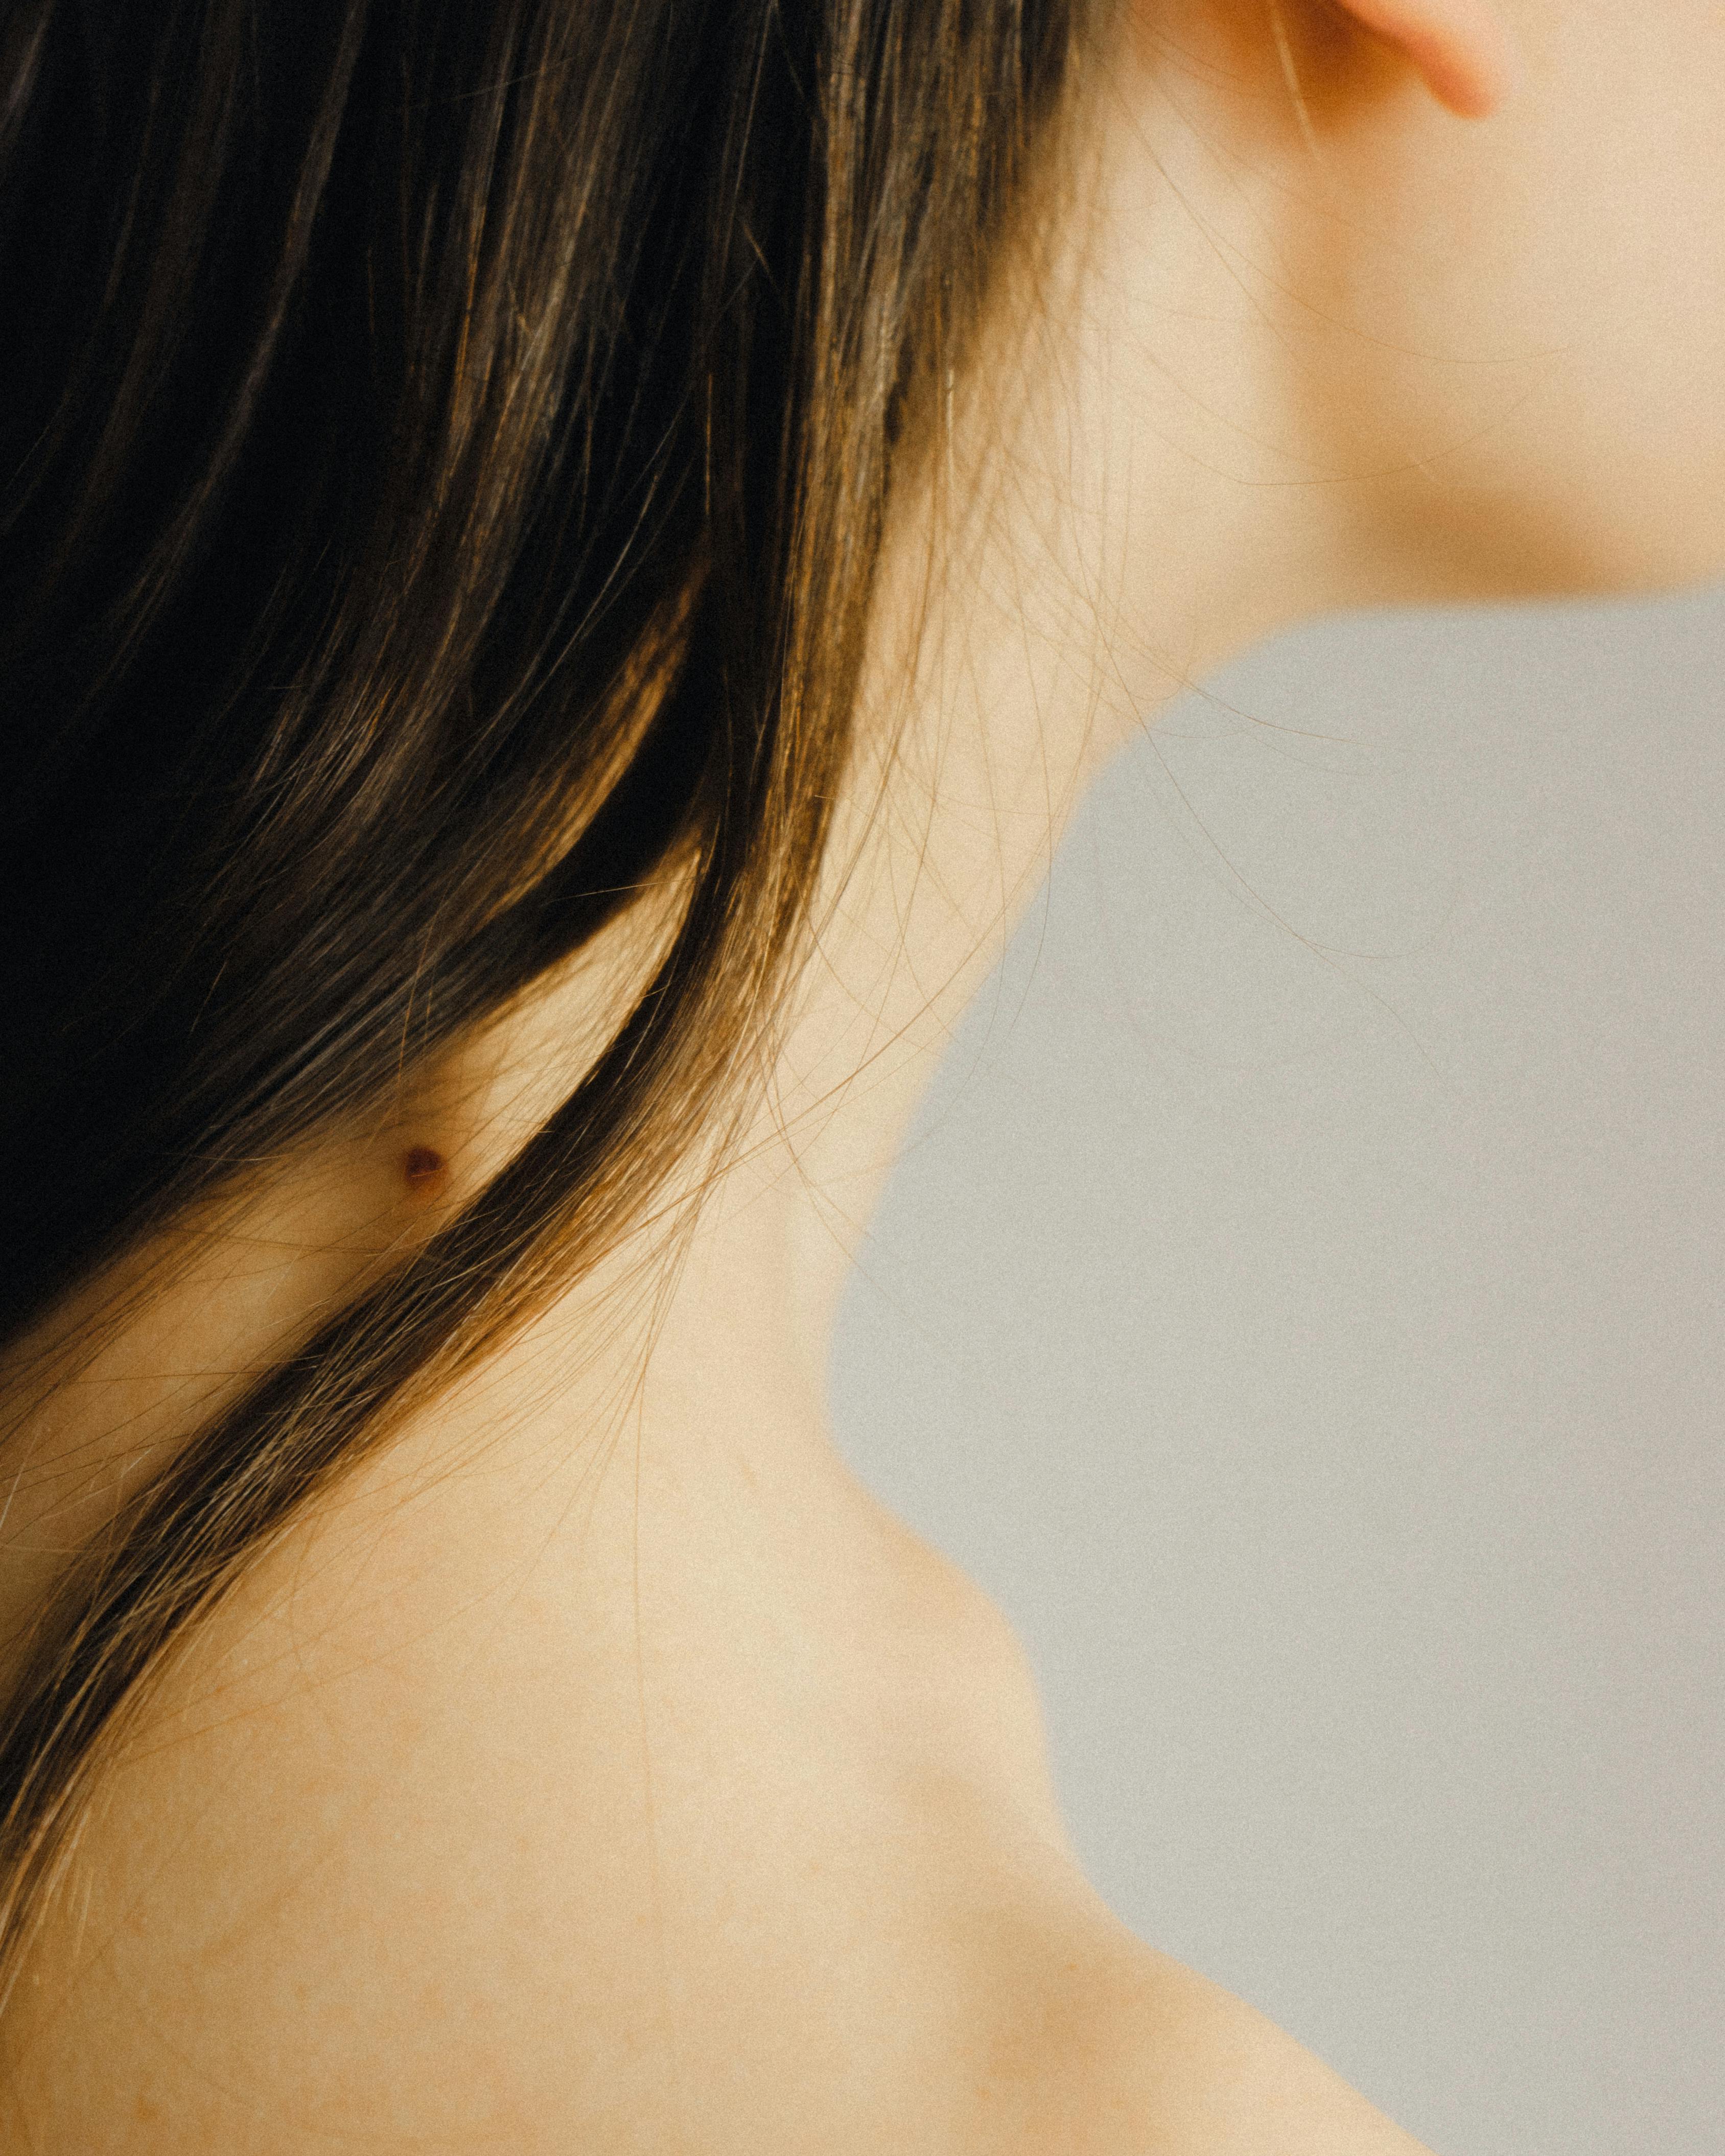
pixel 563 566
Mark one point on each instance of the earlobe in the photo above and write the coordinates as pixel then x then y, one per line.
pixel 1461 49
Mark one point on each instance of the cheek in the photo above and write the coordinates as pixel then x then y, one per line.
pixel 1617 287
pixel 1526 376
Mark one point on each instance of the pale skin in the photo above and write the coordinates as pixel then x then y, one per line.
pixel 600 1769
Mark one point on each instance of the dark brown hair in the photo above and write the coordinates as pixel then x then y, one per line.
pixel 442 468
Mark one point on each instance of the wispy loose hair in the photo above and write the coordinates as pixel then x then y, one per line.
pixel 443 464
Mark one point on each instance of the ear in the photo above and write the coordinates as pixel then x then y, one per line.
pixel 1460 48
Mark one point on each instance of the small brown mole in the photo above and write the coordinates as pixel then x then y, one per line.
pixel 426 1170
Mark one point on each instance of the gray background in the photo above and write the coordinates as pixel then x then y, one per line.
pixel 1301 1309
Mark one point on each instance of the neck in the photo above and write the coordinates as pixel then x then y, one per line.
pixel 1028 618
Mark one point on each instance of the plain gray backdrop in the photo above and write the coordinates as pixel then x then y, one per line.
pixel 1301 1308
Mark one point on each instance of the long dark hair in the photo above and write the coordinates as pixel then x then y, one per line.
pixel 442 456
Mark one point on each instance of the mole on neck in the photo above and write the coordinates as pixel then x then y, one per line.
pixel 426 1170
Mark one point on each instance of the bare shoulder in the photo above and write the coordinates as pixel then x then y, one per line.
pixel 1123 2051
pixel 471 1821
